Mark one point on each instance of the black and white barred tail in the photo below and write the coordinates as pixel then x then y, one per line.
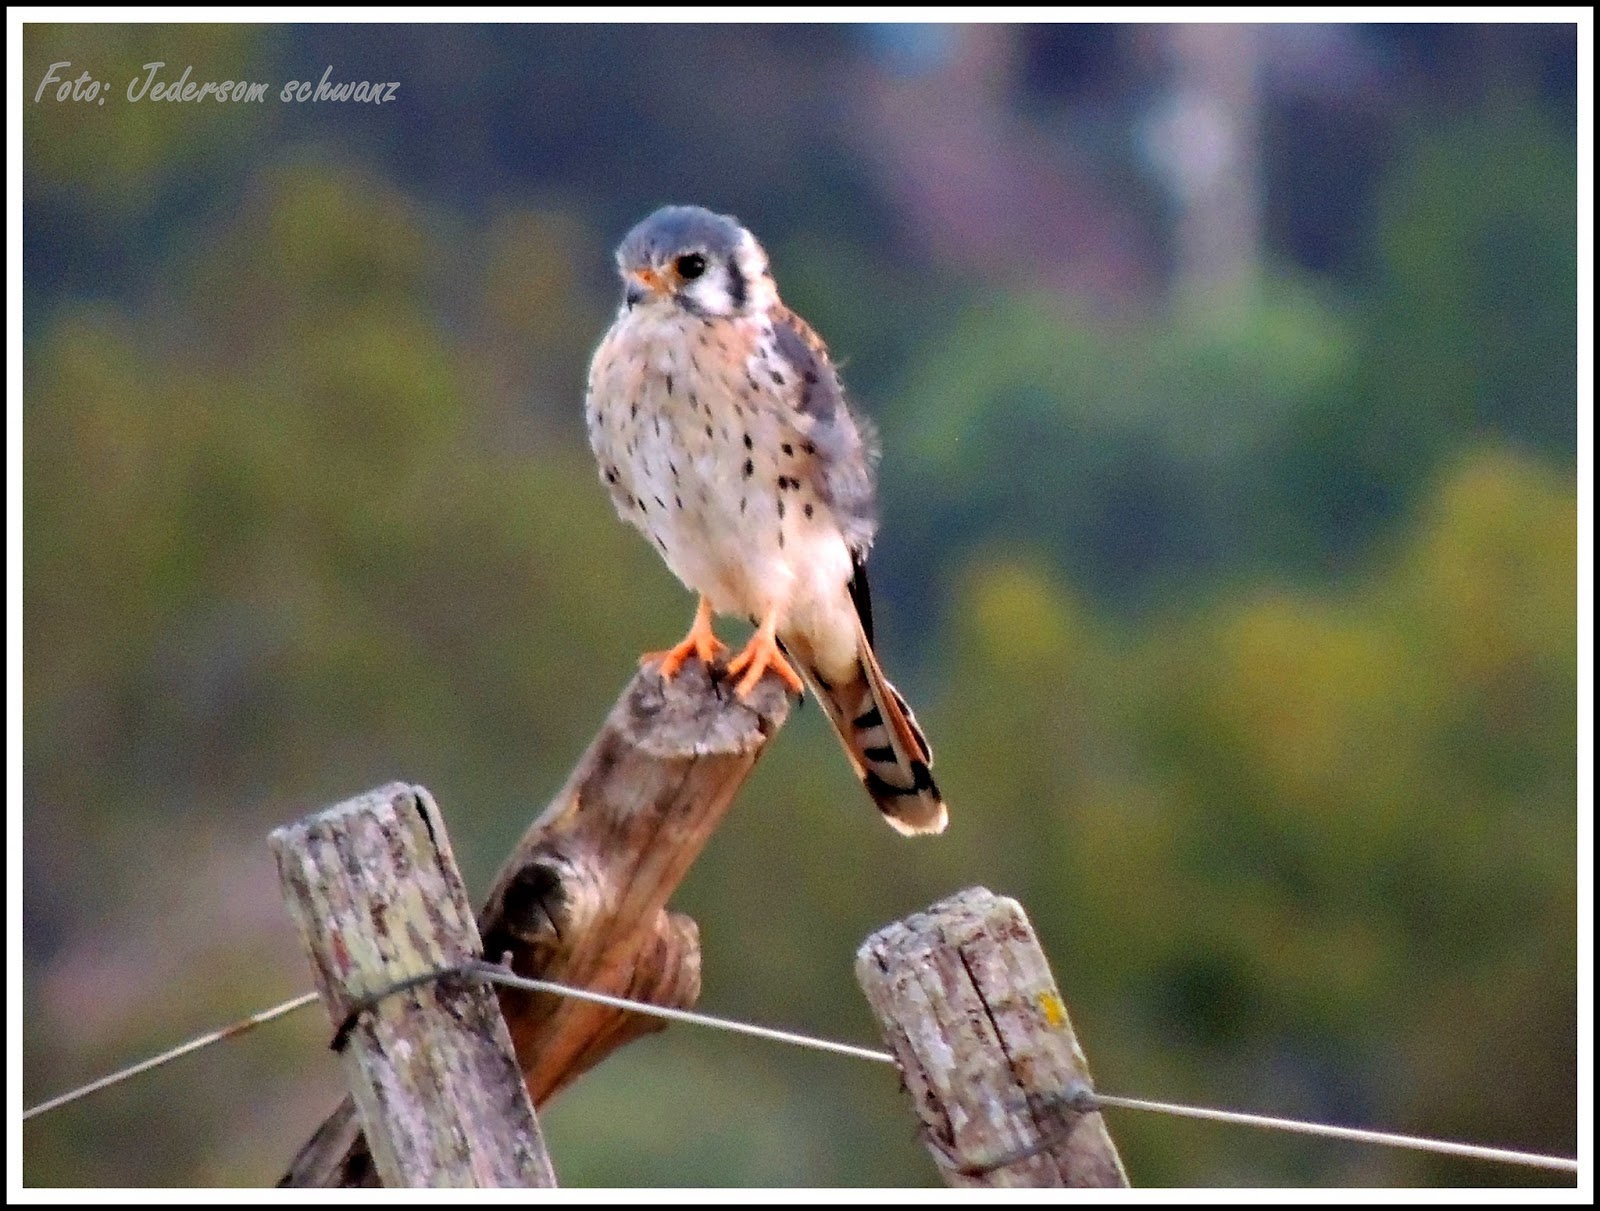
pixel 884 743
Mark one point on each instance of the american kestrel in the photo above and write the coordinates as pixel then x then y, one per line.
pixel 722 432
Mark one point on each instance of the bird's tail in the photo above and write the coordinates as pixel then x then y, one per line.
pixel 884 743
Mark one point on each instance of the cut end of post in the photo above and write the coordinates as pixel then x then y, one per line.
pixel 698 714
pixel 966 1001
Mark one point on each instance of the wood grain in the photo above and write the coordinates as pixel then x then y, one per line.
pixel 582 899
pixel 374 889
pixel 966 1002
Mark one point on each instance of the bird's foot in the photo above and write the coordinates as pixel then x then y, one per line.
pixel 700 641
pixel 759 655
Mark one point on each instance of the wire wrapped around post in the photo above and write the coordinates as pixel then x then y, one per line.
pixel 582 900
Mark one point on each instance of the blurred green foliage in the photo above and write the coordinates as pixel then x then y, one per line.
pixel 1246 639
pixel 113 157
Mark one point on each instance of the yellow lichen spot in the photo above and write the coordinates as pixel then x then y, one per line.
pixel 1054 1011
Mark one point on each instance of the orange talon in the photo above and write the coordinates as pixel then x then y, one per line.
pixel 761 654
pixel 700 641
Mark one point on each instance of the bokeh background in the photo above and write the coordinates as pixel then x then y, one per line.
pixel 1226 377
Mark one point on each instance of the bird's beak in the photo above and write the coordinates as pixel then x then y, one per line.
pixel 644 281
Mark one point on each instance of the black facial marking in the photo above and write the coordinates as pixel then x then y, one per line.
pixel 737 288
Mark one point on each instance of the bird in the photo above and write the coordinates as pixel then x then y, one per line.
pixel 721 431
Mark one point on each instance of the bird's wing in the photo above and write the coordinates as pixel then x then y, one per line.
pixel 878 730
pixel 843 447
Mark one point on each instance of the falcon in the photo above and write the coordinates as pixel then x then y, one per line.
pixel 722 432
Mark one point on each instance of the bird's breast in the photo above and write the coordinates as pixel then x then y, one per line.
pixel 701 456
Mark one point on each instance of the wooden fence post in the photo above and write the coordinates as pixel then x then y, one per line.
pixel 374 889
pixel 583 898
pixel 965 1000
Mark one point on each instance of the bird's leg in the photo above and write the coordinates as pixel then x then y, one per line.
pixel 761 654
pixel 700 641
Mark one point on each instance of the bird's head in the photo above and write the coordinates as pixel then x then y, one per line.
pixel 689 258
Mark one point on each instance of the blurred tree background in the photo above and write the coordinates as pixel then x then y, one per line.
pixel 1227 383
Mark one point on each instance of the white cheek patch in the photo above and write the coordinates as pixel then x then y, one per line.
pixel 709 294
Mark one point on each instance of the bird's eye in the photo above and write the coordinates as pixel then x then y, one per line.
pixel 690 266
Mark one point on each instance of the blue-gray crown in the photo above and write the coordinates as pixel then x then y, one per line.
pixel 675 229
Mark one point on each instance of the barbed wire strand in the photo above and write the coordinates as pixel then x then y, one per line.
pixel 495 974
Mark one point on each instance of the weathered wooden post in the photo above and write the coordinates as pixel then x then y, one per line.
pixel 582 900
pixel 374 889
pixel 965 1000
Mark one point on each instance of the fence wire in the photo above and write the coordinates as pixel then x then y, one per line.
pixel 494 974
